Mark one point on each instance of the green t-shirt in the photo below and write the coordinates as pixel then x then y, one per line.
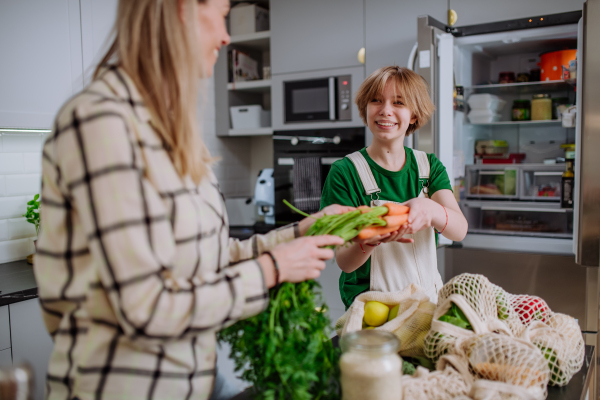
pixel 343 186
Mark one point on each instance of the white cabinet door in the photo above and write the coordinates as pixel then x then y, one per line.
pixel 31 342
pixel 41 65
pixel 97 21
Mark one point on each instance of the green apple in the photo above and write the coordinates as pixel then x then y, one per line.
pixel 394 312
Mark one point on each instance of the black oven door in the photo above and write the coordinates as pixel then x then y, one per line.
pixel 310 100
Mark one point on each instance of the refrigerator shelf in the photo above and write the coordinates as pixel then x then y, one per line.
pixel 521 233
pixel 551 122
pixel 523 87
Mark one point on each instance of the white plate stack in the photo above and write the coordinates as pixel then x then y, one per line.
pixel 485 108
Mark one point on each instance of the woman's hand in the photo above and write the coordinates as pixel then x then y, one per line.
pixel 299 260
pixel 333 209
pixel 396 236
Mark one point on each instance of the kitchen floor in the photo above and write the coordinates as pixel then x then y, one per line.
pixel 329 282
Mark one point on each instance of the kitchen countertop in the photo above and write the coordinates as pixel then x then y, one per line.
pixel 575 390
pixel 17 282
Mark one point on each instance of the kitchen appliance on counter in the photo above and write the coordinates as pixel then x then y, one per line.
pixel 264 195
pixel 519 235
pixel 302 160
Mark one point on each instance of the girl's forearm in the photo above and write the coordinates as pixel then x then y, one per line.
pixel 352 257
pixel 456 226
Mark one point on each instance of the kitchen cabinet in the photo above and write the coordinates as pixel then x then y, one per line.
pixel 315 34
pixel 97 20
pixel 41 60
pixel 5 358
pixel 31 342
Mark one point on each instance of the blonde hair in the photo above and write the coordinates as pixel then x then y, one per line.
pixel 156 50
pixel 412 86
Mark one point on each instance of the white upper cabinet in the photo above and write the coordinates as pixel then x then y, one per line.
pixel 97 21
pixel 41 66
pixel 309 35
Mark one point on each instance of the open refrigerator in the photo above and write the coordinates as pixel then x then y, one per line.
pixel 513 205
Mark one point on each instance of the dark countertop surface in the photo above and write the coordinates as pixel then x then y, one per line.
pixel 17 282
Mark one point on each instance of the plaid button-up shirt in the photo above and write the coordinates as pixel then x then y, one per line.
pixel 135 267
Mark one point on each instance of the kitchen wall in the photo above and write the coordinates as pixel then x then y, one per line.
pixel 20 168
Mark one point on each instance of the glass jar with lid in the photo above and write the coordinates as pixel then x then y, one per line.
pixel 370 366
pixel 541 107
pixel 521 110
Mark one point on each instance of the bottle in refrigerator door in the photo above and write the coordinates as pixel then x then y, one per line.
pixel 567 185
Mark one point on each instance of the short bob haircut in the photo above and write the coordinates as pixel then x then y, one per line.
pixel 411 86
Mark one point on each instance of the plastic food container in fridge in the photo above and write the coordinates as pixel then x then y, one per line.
pixel 248 117
pixel 483 116
pixel 491 181
pixel 486 101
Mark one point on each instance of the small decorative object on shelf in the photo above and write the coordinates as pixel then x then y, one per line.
pixel 33 217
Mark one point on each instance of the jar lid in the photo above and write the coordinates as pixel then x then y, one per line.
pixel 370 341
pixel 541 96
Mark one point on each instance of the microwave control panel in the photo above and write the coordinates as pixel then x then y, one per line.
pixel 344 97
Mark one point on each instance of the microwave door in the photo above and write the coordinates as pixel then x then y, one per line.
pixel 587 162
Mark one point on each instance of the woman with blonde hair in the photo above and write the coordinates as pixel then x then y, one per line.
pixel 135 267
pixel 394 102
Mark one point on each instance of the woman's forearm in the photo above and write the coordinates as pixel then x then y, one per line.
pixel 352 257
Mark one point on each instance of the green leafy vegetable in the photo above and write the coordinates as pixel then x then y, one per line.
pixel 553 363
pixel 455 316
pixel 33 213
pixel 408 368
pixel 285 352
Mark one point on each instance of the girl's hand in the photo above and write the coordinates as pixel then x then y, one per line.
pixel 421 214
pixel 396 236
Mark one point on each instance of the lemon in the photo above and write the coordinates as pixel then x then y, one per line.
pixel 394 312
pixel 452 17
pixel 376 313
pixel 369 327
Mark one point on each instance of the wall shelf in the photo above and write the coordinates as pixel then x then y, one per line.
pixel 256 41
pixel 260 86
pixel 251 132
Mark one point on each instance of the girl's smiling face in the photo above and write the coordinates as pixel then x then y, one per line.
pixel 387 116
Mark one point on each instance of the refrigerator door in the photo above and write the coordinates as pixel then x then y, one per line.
pixel 587 167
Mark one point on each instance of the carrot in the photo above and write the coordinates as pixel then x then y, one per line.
pixel 396 220
pixel 369 233
pixel 364 209
pixel 396 209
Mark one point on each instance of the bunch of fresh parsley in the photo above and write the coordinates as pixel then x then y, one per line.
pixel 285 351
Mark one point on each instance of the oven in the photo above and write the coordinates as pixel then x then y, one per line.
pixel 302 160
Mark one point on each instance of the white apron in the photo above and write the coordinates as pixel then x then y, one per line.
pixel 394 265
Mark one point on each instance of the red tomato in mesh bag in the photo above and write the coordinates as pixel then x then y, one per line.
pixel 531 308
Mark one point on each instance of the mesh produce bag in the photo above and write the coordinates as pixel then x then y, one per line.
pixel 506 311
pixel 561 343
pixel 443 337
pixel 506 368
pixel 477 291
pixel 410 326
pixel 452 381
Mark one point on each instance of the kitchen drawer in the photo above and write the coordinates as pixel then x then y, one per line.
pixel 5 358
pixel 4 328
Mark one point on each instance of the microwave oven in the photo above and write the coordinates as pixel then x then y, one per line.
pixel 320 99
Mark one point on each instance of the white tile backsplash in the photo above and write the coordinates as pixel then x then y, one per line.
pixel 32 162
pixel 3 230
pixel 21 143
pixel 11 163
pixel 13 250
pixel 19 228
pixel 13 207
pixel 23 184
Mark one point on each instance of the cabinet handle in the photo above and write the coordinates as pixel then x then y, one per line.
pixel 361 55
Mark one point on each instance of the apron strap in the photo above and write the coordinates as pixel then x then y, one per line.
pixel 364 172
pixel 424 171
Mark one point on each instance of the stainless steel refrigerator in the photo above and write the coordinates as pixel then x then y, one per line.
pixel 520 235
